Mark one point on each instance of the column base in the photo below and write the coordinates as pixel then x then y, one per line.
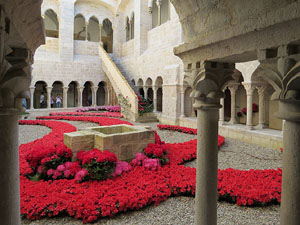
pixel 221 123
pixel 261 126
pixel 232 121
pixel 249 127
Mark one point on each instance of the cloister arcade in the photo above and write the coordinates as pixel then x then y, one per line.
pixel 73 94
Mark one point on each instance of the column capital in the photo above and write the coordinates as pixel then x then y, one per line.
pixel 158 3
pixel 207 80
pixel 65 88
pixel 32 89
pixel 49 89
pixel 100 25
pixel 233 87
pixel 95 88
pixel 80 89
pixel 289 110
pixel 261 88
pixel 249 87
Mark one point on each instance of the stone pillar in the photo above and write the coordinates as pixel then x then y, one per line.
pixel 9 167
pixel 155 88
pixel 249 90
pixel 261 107
pixel 233 88
pixel 290 194
pixel 207 106
pixel 65 97
pixel 145 92
pixel 94 96
pixel 32 97
pixel 86 30
pixel 79 94
pixel 158 3
pixel 182 90
pixel 221 112
pixel 49 90
pixel 100 34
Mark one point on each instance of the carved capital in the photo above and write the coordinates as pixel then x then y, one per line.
pixel 80 89
pixel 233 88
pixel 158 3
pixel 249 87
pixel 207 80
pixel 261 89
pixel 282 72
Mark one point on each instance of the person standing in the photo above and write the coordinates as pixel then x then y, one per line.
pixel 52 102
pixel 58 101
pixel 42 100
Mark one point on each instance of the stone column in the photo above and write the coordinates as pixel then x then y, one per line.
pixel 9 167
pixel 79 94
pixel 290 194
pixel 261 107
pixel 249 90
pixel 32 97
pixel 207 106
pixel 94 96
pixel 155 88
pixel 182 90
pixel 233 88
pixel 100 34
pixel 145 92
pixel 49 90
pixel 86 30
pixel 65 97
pixel 158 3
pixel 221 112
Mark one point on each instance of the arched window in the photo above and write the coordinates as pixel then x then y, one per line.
pixel 160 12
pixel 107 35
pixel 93 30
pixel 51 24
pixel 127 29
pixel 79 28
pixel 132 26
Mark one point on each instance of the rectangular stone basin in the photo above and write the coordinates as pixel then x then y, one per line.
pixel 123 140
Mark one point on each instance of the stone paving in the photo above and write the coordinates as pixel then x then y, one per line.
pixel 180 210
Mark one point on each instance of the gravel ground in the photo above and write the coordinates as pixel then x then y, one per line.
pixel 180 210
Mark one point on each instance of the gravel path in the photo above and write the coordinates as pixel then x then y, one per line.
pixel 180 210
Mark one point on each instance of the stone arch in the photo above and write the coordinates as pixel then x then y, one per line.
pixel 51 23
pixel 57 90
pixel 159 93
pixel 40 89
pixel 132 26
pixel 140 84
pixel 133 82
pixel 87 93
pixel 101 94
pixel 188 102
pixel 79 27
pixel 93 30
pixel 148 82
pixel 72 94
pixel 127 27
pixel 107 35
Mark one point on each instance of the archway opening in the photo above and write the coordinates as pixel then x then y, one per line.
pixel 101 94
pixel 188 102
pixel 79 28
pixel 107 36
pixel 51 24
pixel 87 94
pixel 93 30
pixel 72 94
pixel 56 94
pixel 227 105
pixel 40 95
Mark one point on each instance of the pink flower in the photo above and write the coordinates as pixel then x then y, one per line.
pixel 50 172
pixel 61 168
pixel 40 168
pixel 67 173
pixel 68 165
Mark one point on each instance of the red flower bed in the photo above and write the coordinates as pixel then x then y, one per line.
pixel 102 121
pixel 105 114
pixel 135 189
pixel 221 139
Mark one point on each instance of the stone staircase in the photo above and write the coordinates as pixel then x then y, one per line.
pixel 121 69
pixel 122 87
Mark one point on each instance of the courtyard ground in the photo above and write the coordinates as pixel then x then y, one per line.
pixel 180 210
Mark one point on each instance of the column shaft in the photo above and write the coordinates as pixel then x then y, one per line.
pixel 49 90
pixel 158 2
pixel 182 104
pixel 32 98
pixel 221 112
pixel 249 111
pixel 261 110
pixel 290 194
pixel 9 167
pixel 65 97
pixel 207 167
pixel 154 99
